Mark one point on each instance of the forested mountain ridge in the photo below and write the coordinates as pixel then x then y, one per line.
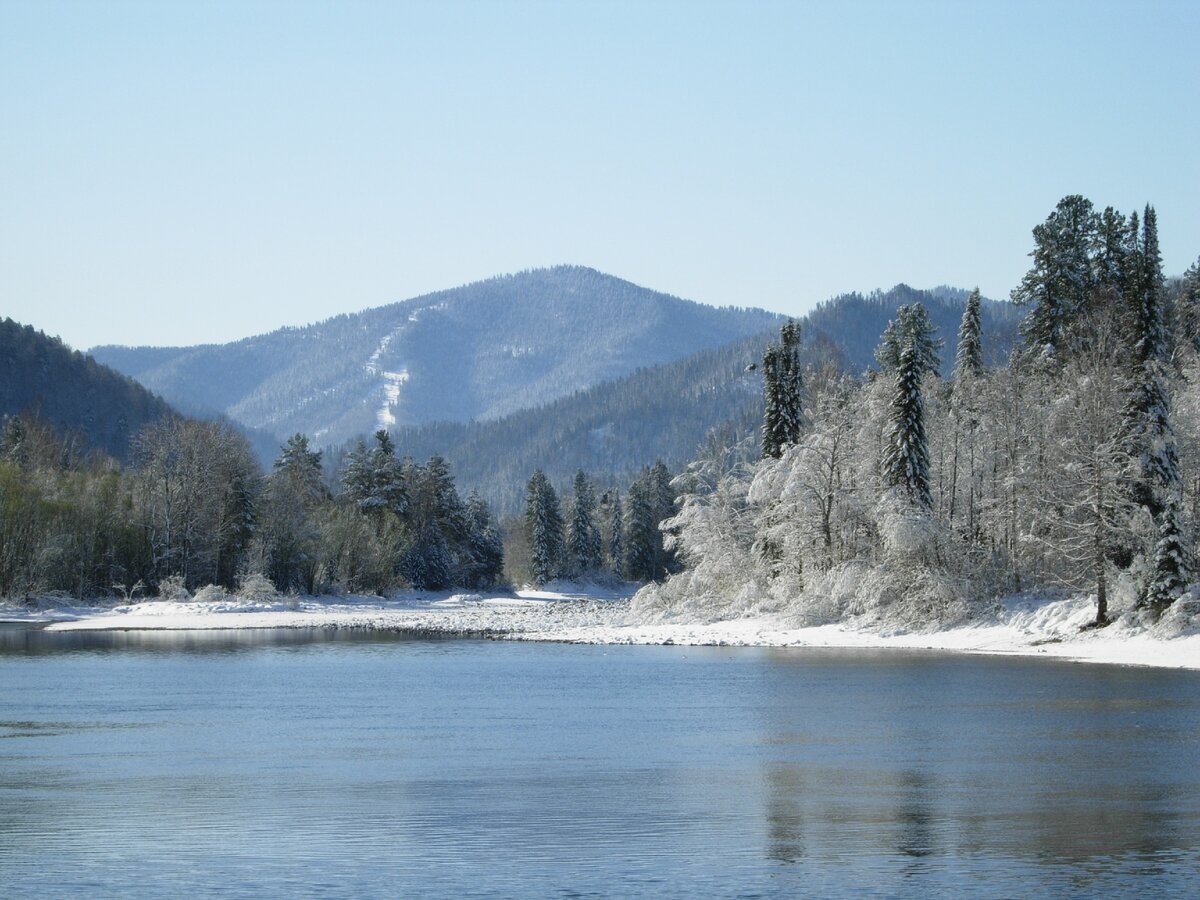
pixel 480 351
pixel 664 412
pixel 853 323
pixel 82 399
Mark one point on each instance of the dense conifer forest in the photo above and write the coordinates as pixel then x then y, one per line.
pixel 920 493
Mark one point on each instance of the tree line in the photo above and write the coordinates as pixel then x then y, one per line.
pixel 597 538
pixel 194 508
pixel 920 498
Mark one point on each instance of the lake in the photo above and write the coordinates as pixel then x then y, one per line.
pixel 337 763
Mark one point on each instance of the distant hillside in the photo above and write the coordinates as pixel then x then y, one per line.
pixel 71 391
pixel 666 411
pixel 481 351
pixel 853 322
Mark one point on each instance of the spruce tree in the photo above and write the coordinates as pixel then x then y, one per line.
pixel 543 521
pixel 783 389
pixel 1060 282
pixel 484 567
pixel 912 323
pixel 1110 260
pixel 1188 317
pixel 968 360
pixel 616 535
pixel 1151 435
pixel 1171 568
pixel 641 530
pixel 583 540
pixel 906 457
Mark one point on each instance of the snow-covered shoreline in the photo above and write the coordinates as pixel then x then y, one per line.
pixel 1025 627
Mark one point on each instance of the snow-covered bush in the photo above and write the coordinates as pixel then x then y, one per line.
pixel 256 586
pixel 173 588
pixel 211 593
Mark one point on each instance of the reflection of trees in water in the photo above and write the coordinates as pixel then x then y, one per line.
pixel 785 814
pixel 914 814
pixel 1076 775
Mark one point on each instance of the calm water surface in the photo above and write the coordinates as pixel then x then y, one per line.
pixel 332 764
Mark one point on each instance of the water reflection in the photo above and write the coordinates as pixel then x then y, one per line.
pixel 36 640
pixel 353 763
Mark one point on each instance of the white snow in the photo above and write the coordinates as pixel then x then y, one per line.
pixel 392 381
pixel 1026 625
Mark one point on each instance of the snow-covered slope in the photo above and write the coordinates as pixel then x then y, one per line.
pixel 476 352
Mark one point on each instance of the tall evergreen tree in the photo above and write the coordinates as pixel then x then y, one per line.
pixel 543 520
pixel 1109 258
pixel 912 323
pixel 641 530
pixel 1060 282
pixel 968 360
pixel 1151 434
pixel 783 388
pixel 1188 316
pixel 1171 563
pixel 583 539
pixel 616 535
pixel 906 457
pixel 485 563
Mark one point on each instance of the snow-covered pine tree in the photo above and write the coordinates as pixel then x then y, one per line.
pixel 783 389
pixel 912 323
pixel 663 501
pixel 357 480
pixel 1060 281
pixel 543 520
pixel 772 415
pixel 906 455
pixel 641 530
pixel 1109 258
pixel 616 535
pixel 1151 435
pixel 1171 563
pixel 583 538
pixel 388 488
pixel 1188 315
pixel 968 359
pixel 485 550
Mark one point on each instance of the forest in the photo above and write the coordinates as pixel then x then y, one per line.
pixel 918 500
pixel 193 511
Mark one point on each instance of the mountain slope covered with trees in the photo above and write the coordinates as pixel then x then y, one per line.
pixel 665 412
pixel 476 352
pixel 93 406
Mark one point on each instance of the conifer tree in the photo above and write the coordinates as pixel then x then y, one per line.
pixel 616 538
pixel 543 520
pixel 1110 260
pixel 641 530
pixel 1171 568
pixel 485 550
pixel 1188 317
pixel 1151 434
pixel 583 540
pixel 783 388
pixel 968 360
pixel 912 323
pixel 906 457
pixel 1060 281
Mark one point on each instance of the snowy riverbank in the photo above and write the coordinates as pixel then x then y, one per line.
pixel 575 614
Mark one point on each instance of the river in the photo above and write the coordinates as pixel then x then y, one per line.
pixel 308 762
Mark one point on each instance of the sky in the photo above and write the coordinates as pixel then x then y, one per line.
pixel 179 173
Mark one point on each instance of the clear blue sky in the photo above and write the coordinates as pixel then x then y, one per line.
pixel 177 172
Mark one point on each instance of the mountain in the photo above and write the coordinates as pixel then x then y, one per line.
pixel 665 412
pixel 478 352
pixel 43 376
pixel 854 322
